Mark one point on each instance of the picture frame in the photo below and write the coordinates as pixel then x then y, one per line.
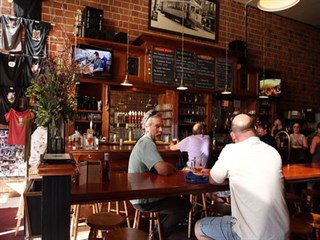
pixel 201 18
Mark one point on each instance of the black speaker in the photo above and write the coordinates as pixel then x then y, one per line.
pixel 92 22
pixel 240 49
pixel 121 37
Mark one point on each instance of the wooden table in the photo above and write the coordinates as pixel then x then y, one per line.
pixel 126 186
pixel 294 173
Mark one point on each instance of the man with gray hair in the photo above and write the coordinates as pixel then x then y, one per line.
pixel 146 158
pixel 254 171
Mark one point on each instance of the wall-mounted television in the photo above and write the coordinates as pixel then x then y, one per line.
pixel 94 62
pixel 270 87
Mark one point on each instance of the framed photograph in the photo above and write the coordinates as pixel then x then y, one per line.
pixel 199 17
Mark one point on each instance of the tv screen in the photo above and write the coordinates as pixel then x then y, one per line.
pixel 94 62
pixel 270 87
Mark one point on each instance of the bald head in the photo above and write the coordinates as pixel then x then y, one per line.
pixel 242 127
pixel 198 128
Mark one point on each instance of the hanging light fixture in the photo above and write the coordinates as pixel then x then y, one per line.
pixel 226 91
pixel 263 69
pixel 276 5
pixel 126 81
pixel 182 87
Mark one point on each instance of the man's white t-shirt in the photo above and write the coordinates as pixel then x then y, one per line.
pixel 254 170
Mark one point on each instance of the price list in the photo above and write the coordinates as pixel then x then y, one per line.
pixel 205 72
pixel 199 71
pixel 223 68
pixel 163 62
pixel 189 68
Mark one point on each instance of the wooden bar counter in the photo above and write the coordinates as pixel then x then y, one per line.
pixel 119 155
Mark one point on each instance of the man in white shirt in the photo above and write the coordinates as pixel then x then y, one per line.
pixel 254 170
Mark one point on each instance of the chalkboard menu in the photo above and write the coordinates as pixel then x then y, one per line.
pixel 199 71
pixel 163 65
pixel 189 68
pixel 205 71
pixel 223 68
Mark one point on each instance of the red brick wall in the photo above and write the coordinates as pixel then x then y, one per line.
pixel 291 48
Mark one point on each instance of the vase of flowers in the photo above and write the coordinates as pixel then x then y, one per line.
pixel 54 94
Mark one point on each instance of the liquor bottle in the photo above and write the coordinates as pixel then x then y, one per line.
pixel 106 168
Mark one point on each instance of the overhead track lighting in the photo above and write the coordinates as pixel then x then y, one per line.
pixel 276 5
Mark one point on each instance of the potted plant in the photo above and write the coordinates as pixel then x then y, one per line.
pixel 54 95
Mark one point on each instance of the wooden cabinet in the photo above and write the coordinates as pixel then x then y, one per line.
pixel 91 102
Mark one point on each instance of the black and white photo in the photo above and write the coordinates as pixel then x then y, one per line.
pixel 199 17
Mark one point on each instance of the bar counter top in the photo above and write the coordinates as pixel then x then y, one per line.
pixel 124 148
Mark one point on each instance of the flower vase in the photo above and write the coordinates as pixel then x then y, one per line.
pixel 55 137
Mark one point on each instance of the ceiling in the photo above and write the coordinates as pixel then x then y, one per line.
pixel 306 11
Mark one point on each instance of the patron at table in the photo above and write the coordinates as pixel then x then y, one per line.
pixel 146 158
pixel 254 170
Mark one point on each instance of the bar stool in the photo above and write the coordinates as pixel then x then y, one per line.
pixel 125 234
pixel 118 211
pixel 154 219
pixel 103 221
pixel 96 207
pixel 194 203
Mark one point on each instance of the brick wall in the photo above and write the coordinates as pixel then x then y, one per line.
pixel 291 48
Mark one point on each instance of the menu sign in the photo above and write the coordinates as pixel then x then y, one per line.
pixel 223 68
pixel 163 64
pixel 199 71
pixel 188 68
pixel 205 71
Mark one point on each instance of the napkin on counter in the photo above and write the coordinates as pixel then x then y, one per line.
pixel 192 178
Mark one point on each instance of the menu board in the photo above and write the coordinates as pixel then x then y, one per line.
pixel 223 67
pixel 199 70
pixel 163 65
pixel 188 68
pixel 205 72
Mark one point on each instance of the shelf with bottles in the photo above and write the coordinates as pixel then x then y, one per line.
pixel 191 98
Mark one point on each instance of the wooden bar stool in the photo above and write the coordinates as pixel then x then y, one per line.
pixel 96 207
pixel 154 219
pixel 103 221
pixel 126 234
pixel 117 210
pixel 194 203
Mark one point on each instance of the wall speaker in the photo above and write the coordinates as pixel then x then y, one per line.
pixel 92 22
pixel 121 37
pixel 240 49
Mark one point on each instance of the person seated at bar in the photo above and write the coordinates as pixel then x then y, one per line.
pixel 277 127
pixel 315 146
pixel 299 145
pixel 146 158
pixel 263 132
pixel 254 171
pixel 197 145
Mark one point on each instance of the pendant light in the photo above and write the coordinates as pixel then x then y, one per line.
pixel 126 81
pixel 276 5
pixel 263 68
pixel 182 87
pixel 226 91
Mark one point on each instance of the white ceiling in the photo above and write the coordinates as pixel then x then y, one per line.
pixel 306 11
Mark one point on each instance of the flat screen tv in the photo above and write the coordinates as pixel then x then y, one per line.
pixel 94 62
pixel 270 87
